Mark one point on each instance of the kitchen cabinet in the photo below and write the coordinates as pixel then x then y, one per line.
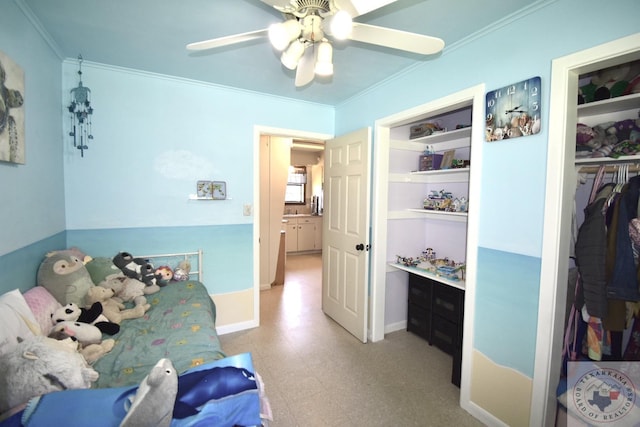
pixel 304 233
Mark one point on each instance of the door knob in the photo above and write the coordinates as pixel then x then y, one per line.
pixel 360 247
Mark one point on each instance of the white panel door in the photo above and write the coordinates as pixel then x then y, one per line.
pixel 346 220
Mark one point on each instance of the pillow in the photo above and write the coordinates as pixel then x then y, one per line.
pixel 100 268
pixel 16 319
pixel 42 305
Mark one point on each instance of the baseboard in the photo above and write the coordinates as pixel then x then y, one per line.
pixel 482 415
pixel 236 327
pixel 393 327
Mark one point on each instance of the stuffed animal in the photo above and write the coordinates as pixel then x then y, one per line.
pixel 74 251
pixel 76 332
pixel 41 365
pixel 65 277
pixel 181 273
pixel 93 316
pixel 137 268
pixel 152 405
pixel 164 275
pixel 83 333
pixel 114 311
pixel 126 289
pixel 102 267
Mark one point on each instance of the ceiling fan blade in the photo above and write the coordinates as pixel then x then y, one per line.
pixel 227 40
pixel 278 4
pixel 396 39
pixel 306 67
pixel 360 7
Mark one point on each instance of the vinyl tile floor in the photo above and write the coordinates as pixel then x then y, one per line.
pixel 317 374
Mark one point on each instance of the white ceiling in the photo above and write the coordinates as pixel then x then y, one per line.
pixel 151 35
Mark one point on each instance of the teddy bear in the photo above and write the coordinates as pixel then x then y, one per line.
pixel 65 277
pixel 114 311
pixel 90 343
pixel 126 289
pixel 41 365
pixel 93 316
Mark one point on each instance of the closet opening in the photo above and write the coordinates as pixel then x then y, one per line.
pixel 575 161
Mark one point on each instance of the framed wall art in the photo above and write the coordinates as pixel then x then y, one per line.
pixel 12 140
pixel 218 190
pixel 203 189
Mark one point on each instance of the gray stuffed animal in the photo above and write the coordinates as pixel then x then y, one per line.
pixel 41 365
pixel 153 402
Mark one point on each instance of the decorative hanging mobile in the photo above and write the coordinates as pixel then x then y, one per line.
pixel 81 111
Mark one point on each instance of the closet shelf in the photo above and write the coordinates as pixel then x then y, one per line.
pixel 593 163
pixel 620 103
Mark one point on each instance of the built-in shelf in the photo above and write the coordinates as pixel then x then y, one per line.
pixel 427 213
pixel 611 105
pixel 194 197
pixel 420 272
pixel 435 176
pixel 444 136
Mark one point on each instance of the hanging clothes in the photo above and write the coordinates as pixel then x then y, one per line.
pixel 591 250
pixel 624 283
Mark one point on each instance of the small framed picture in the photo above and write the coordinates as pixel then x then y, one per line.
pixel 203 189
pixel 447 159
pixel 219 190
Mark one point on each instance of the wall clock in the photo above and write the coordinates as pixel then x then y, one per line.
pixel 514 110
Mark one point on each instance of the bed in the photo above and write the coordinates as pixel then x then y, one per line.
pixel 179 326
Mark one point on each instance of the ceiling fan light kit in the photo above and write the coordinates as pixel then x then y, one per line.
pixel 292 55
pixel 283 33
pixel 302 37
pixel 324 64
pixel 339 25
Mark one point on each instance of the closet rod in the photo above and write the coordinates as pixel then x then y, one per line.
pixel 607 169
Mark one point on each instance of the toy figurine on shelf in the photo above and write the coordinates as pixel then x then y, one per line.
pixel 407 261
pixel 429 254
pixel 438 200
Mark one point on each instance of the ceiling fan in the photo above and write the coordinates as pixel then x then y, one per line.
pixel 303 36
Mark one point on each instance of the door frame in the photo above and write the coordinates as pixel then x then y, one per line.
pixel 557 214
pixel 475 95
pixel 257 132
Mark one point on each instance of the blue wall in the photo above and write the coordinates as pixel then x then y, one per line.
pixel 156 135
pixel 223 270
pixel 514 172
pixel 32 204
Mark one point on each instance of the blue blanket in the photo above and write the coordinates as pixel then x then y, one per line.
pixel 106 407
